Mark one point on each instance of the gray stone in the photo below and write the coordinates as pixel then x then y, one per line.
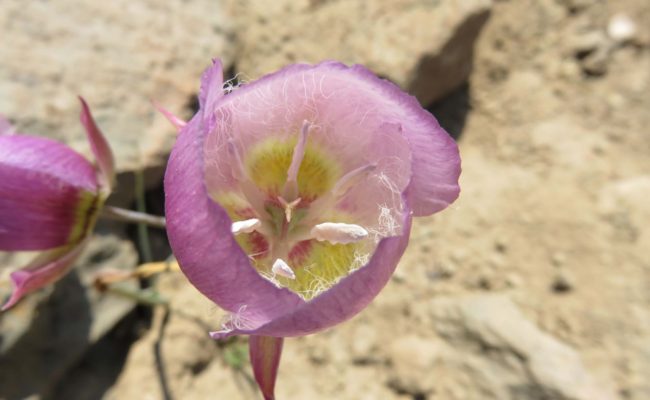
pixel 413 359
pixel 492 325
pixel 425 47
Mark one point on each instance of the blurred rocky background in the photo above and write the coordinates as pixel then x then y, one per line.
pixel 534 285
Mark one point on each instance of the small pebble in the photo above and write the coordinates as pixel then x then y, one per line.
pixel 562 283
pixel 558 259
pixel 513 280
pixel 621 28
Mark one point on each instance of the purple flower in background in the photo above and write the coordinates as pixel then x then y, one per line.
pixel 289 200
pixel 50 197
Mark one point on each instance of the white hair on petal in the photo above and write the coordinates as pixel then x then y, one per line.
pixel 317 285
pixel 233 83
pixel 388 223
pixel 360 259
pixel 236 320
pixel 271 277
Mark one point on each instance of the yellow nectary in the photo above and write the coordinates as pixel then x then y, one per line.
pixel 269 161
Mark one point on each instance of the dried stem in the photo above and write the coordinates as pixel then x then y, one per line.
pixel 121 214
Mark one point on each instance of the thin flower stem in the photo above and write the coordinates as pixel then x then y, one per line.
pixel 145 297
pixel 143 233
pixel 121 214
pixel 109 277
pixel 152 298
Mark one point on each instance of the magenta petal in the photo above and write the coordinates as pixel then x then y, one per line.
pixel 265 352
pixel 211 86
pixel 44 186
pixel 200 233
pixel 342 301
pixel 99 146
pixel 46 269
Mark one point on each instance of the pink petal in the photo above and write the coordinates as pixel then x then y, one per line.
pixel 99 146
pixel 436 160
pixel 174 120
pixel 200 234
pixel 348 124
pixel 211 86
pixel 380 193
pixel 42 186
pixel 44 270
pixel 265 352
pixel 345 101
pixel 351 295
pixel 363 121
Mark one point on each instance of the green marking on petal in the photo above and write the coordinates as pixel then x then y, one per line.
pixel 86 214
pixel 269 161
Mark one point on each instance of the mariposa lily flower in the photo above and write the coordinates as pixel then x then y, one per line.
pixel 50 197
pixel 289 199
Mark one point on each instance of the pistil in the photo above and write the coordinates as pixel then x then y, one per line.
pixel 290 190
pixel 289 207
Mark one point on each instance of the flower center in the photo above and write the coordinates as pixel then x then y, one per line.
pixel 287 215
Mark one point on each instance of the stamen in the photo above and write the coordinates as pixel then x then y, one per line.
pixel 281 268
pixel 337 232
pixel 290 190
pixel 351 179
pixel 246 226
pixel 288 207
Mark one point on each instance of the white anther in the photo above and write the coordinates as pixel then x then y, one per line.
pixel 336 232
pixel 246 226
pixel 352 178
pixel 280 267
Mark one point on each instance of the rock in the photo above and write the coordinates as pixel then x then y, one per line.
pixel 413 359
pixel 596 63
pixel 563 139
pixel 624 203
pixel 587 42
pixel 119 55
pixel 621 28
pixel 364 345
pixel 577 5
pixel 44 335
pixel 492 326
pixel 563 282
pixel 514 280
pixel 425 47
